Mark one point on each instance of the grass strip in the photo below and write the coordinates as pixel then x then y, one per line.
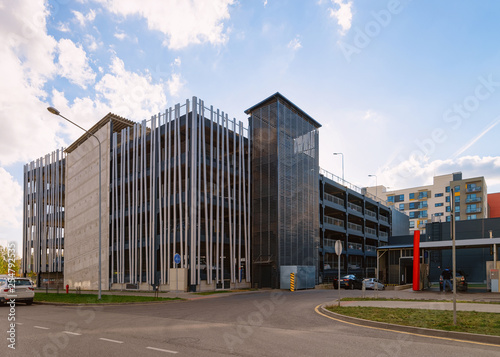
pixel 92 298
pixel 485 323
pixel 418 300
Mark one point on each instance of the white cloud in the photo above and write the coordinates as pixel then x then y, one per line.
pixel 265 3
pixel 418 171
pixel 92 43
pixel 11 197
pixel 175 84
pixel 295 44
pixel 74 64
pixel 63 27
pixel 177 62
pixel 128 94
pixel 84 19
pixel 342 13
pixel 27 54
pixel 120 35
pixel 182 22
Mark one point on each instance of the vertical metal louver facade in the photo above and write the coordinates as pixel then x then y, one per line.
pixel 181 185
pixel 285 190
pixel 43 214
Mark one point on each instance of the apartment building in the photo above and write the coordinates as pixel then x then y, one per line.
pixel 433 203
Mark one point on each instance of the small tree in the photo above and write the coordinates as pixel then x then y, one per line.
pixel 4 262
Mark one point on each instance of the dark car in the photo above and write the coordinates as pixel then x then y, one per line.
pixel 461 279
pixel 351 281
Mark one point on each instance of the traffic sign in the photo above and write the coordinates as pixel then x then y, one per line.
pixel 338 247
pixel 177 258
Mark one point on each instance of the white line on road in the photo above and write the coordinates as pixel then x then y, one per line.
pixel 19 323
pixel 72 333
pixel 41 327
pixel 159 349
pixel 107 339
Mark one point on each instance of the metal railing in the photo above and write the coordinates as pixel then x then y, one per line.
pixel 334 199
pixel 350 186
pixel 371 231
pixel 370 248
pixel 383 234
pixel 473 199
pixel 473 210
pixel 355 227
pixel 327 242
pixel 370 213
pixel 384 219
pixel 354 246
pixel 473 189
pixel 334 221
pixel 355 207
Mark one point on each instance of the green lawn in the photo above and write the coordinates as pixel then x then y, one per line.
pixel 485 323
pixel 92 298
pixel 419 300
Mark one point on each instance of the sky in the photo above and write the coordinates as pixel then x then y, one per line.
pixel 404 89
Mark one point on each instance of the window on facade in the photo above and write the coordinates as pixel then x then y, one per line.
pixel 471 185
pixel 457 218
pixel 413 205
pixel 422 195
pixel 439 204
pixel 457 208
pixel 447 198
pixel 471 216
pixel 457 199
pixel 457 188
pixel 448 218
pixel 412 196
pixel 438 214
pixel 423 214
pixel 438 195
pixel 401 206
pixel 447 188
pixel 412 214
pixel 390 199
pixel 448 208
pixel 399 198
pixel 412 224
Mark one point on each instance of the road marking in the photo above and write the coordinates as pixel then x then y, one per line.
pixel 19 323
pixel 402 332
pixel 107 339
pixel 41 327
pixel 72 333
pixel 159 349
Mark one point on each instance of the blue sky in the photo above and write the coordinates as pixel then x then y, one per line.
pixel 405 89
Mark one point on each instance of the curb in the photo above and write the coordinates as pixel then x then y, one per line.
pixel 108 304
pixel 463 336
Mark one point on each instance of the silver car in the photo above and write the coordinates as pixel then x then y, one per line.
pixel 373 283
pixel 23 290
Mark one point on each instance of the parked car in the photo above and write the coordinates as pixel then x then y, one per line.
pixel 461 279
pixel 351 281
pixel 23 290
pixel 373 283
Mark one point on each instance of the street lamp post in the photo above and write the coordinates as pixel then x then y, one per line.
pixel 339 153
pixel 376 184
pixel 56 112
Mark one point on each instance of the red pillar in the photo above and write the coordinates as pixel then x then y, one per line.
pixel 416 260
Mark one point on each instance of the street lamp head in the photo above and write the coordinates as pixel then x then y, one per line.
pixel 53 110
pixel 372 175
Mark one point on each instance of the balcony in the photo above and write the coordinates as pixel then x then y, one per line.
pixel 473 189
pixel 333 199
pixel 329 245
pixel 473 210
pixel 354 227
pixel 472 200
pixel 370 250
pixel 383 234
pixel 371 231
pixel 334 221
pixel 370 214
pixel 384 219
pixel 355 207
pixel 355 248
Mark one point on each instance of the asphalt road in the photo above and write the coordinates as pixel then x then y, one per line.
pixel 264 323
